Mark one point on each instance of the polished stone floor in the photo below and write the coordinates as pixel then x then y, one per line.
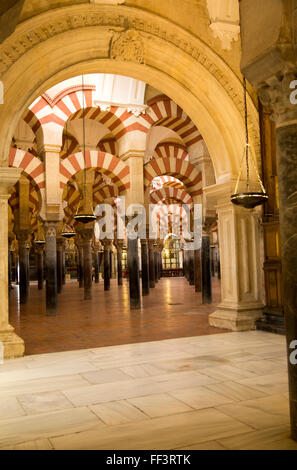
pixel 172 310
pixel 224 391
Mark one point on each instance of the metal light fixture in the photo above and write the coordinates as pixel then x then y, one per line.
pixel 67 231
pixel 247 198
pixel 84 218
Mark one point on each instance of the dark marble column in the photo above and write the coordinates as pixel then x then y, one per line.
pixel 151 264
pixel 186 264
pixel 156 265
pixel 197 271
pixel 145 274
pixel 23 265
pixel 133 269
pixel 51 268
pixel 63 266
pixel 59 265
pixel 86 236
pixel 206 269
pixel 96 264
pixel 191 268
pixel 40 266
pixel 119 247
pixel 287 180
pixel 81 264
pixel 107 248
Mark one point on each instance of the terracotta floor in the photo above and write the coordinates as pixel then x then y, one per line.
pixel 172 310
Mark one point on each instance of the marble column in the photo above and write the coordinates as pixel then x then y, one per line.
pixel 186 264
pixel 191 268
pixel 63 265
pixel 81 264
pixel 151 264
pixel 60 243
pixel 119 247
pixel 51 268
pixel 107 248
pixel 96 264
pixel 22 238
pixel 145 274
pixel 133 269
pixel 206 269
pixel 197 271
pixel 86 237
pixel 13 345
pixel 156 265
pixel 287 179
pixel 40 266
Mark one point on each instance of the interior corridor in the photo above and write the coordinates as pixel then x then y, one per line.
pixel 173 310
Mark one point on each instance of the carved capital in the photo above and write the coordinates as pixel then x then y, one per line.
pixel 276 94
pixel 51 229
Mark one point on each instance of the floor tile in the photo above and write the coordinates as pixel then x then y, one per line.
pixel 159 405
pixel 44 402
pixel 118 412
pixel 200 397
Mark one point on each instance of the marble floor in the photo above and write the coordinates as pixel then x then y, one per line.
pixel 225 391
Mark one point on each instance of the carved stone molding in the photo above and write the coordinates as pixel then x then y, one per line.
pixel 127 46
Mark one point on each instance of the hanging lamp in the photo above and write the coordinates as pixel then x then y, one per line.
pixel 67 231
pixel 247 198
pixel 84 218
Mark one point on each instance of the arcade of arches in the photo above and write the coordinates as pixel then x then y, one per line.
pixel 141 100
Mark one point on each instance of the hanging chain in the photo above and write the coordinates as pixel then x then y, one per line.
pixel 84 141
pixel 246 137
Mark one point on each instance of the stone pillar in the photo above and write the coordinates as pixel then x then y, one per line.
pixel 240 241
pixel 107 248
pixel 206 267
pixel 96 264
pixel 51 268
pixel 191 268
pixel 60 244
pixel 145 276
pixel 40 266
pixel 133 269
pixel 151 264
pixel 86 236
pixel 119 247
pixel 13 344
pixel 156 262
pixel 81 264
pixel 197 271
pixel 186 264
pixel 63 265
pixel 22 237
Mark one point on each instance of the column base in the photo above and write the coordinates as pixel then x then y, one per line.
pixel 235 320
pixel 14 346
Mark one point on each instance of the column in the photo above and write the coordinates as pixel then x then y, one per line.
pixel 86 236
pixel 81 264
pixel 133 269
pixel 40 267
pixel 96 263
pixel 191 268
pixel 145 276
pixel 119 247
pixel 60 244
pixel 107 248
pixel 22 237
pixel 197 271
pixel 13 345
pixel 206 267
pixel 186 264
pixel 63 265
pixel 51 268
pixel 156 265
pixel 240 241
pixel 151 264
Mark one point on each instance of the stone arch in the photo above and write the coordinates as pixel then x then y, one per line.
pixel 182 169
pixel 218 114
pixel 165 112
pixel 31 165
pixel 166 193
pixel 170 149
pixel 110 165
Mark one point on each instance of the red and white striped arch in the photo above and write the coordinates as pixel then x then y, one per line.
pixel 32 166
pixel 170 181
pixel 109 146
pixel 168 150
pixel 168 193
pixel 181 169
pixel 110 165
pixel 165 112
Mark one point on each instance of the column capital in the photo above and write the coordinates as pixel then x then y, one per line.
pixel 51 228
pixel 8 177
pixel 107 244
